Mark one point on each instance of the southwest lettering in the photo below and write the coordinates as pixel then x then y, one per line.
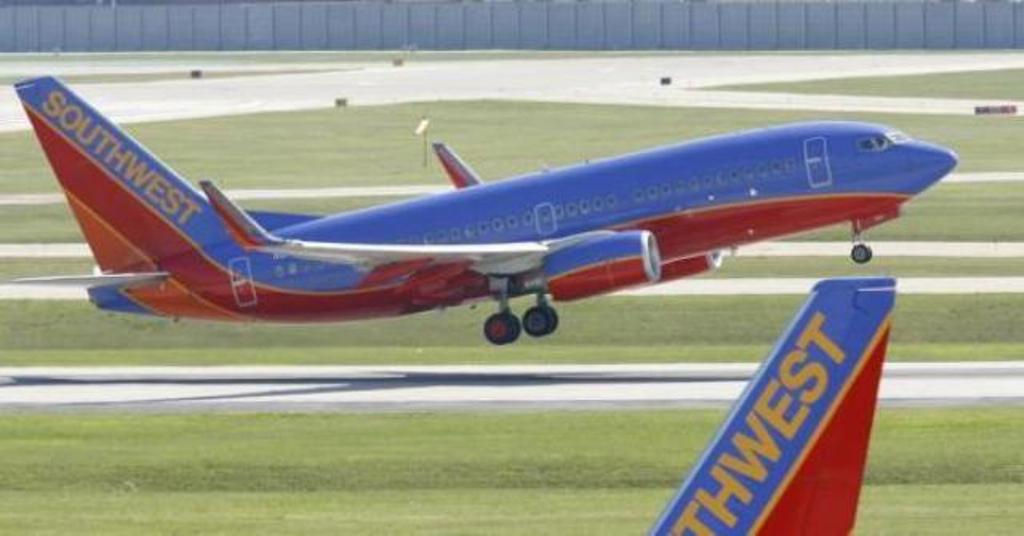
pixel 795 380
pixel 758 448
pixel 813 333
pixel 718 504
pixel 689 522
pixel 775 413
pixel 751 451
pixel 120 158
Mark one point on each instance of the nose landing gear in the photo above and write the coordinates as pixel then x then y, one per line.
pixel 861 253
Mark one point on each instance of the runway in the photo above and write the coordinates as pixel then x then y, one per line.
pixel 607 80
pixel 461 388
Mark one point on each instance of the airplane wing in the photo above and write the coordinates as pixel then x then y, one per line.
pixel 251 235
pixel 789 458
pixel 97 280
pixel 461 175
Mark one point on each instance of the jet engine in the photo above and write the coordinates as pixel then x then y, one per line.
pixel 602 264
pixel 689 266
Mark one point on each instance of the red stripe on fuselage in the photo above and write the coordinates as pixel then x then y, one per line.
pixel 695 232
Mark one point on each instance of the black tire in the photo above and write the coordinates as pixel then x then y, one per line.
pixel 502 328
pixel 861 254
pixel 540 320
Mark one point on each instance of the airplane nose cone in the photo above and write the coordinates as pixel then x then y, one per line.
pixel 931 163
pixel 938 160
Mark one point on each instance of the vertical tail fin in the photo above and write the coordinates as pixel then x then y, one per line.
pixel 133 209
pixel 789 458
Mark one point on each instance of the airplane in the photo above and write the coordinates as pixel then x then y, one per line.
pixel 164 247
pixel 789 458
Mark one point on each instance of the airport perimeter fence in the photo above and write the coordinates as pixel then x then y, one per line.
pixel 648 25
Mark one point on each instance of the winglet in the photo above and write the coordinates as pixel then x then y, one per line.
pixel 461 175
pixel 241 226
pixel 789 458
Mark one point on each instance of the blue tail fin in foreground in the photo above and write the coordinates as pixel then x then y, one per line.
pixel 789 458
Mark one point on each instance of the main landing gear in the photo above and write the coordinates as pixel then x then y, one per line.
pixel 504 327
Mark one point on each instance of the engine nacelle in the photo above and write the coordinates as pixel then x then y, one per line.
pixel 690 266
pixel 603 264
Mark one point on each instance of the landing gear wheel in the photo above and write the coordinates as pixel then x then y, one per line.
pixel 540 320
pixel 861 253
pixel 502 328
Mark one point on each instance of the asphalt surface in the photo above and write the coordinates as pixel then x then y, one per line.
pixel 605 80
pixel 459 388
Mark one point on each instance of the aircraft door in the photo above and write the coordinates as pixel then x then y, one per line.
pixel 819 172
pixel 241 281
pixel 544 219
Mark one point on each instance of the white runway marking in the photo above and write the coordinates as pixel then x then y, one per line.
pixel 407 190
pixel 389 388
pixel 619 80
pixel 685 287
pixel 987 250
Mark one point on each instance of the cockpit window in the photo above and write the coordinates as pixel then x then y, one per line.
pixel 897 137
pixel 874 143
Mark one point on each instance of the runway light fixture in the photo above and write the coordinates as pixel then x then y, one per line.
pixel 421 131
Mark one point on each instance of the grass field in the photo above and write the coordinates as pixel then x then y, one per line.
pixel 929 472
pixel 375 146
pixel 1006 84
pixel 955 212
pixel 607 330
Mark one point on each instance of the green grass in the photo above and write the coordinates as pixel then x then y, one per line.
pixel 929 471
pixel 1005 84
pixel 606 330
pixel 371 146
pixel 954 212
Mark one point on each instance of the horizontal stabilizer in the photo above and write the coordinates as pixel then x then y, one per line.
pixel 789 458
pixel 461 175
pixel 100 280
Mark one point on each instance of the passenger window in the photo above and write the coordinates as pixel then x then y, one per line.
pixel 454 234
pixel 469 231
pixel 611 201
pixel 483 228
pixel 652 193
pixel 598 204
pixel 694 185
pixel 584 206
pixel 571 210
pixel 498 225
pixel 511 222
pixel 638 196
pixel 528 218
pixel 666 190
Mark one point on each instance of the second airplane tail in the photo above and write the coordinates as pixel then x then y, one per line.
pixel 789 458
